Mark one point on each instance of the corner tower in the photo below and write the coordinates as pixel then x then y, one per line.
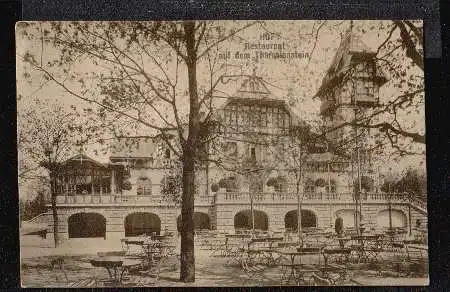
pixel 349 93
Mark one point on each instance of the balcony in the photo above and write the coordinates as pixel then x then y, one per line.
pixel 291 198
pixel 233 198
pixel 127 200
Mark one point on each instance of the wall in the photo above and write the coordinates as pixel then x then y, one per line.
pixel 222 215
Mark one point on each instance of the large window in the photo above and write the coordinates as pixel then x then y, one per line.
pixel 144 186
pixel 245 116
pixel 364 90
pixel 264 119
pixel 331 188
pixel 167 153
pixel 365 69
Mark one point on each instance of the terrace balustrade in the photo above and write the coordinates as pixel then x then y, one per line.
pixel 235 198
pixel 152 200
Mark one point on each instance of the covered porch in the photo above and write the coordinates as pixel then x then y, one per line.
pixel 83 176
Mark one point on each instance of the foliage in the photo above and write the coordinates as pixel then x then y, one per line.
pixel 229 183
pixel 413 181
pixel 141 79
pixel 367 184
pixel 272 182
pixel 126 185
pixel 398 56
pixel 44 127
pixel 214 188
pixel 133 83
pixel 320 182
pixel 31 208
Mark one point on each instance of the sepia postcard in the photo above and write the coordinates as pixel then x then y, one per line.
pixel 222 153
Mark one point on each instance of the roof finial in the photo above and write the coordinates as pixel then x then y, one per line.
pixel 254 72
pixel 81 151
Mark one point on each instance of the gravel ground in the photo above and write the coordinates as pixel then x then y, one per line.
pixel 37 254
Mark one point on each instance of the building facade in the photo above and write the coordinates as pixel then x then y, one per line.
pixel 265 161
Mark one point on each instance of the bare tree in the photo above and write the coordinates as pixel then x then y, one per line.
pixel 134 77
pixel 47 135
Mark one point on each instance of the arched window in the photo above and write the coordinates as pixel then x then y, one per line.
pixel 308 219
pixel 140 223
pixel 244 220
pixel 84 225
pixel 201 221
pixel 144 186
pixel 397 218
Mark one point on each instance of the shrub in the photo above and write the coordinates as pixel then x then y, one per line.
pixel 214 188
pixel 320 182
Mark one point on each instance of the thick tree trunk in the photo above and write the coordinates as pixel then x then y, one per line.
pixel 187 270
pixel 54 210
pixel 299 216
pixel 190 154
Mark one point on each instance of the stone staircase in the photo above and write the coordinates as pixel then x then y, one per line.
pixel 43 219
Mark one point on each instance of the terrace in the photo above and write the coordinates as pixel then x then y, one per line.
pixel 236 198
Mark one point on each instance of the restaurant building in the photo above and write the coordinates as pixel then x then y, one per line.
pixel 138 190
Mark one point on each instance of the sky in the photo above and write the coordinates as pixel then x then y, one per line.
pixel 295 80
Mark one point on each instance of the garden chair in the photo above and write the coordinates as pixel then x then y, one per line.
pixel 148 276
pixel 253 269
pixel 417 258
pixel 84 283
pixel 56 263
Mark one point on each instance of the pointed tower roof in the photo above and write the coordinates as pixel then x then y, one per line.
pixel 352 47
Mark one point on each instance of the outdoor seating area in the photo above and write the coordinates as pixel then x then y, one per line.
pixel 137 264
pixel 249 258
pixel 320 258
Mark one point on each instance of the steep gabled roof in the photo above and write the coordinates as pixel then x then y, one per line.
pixel 83 158
pixel 351 46
pixel 254 91
pixel 253 87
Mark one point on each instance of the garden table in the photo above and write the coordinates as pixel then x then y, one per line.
pixel 335 251
pixel 264 247
pixel 116 266
pixel 297 270
pixel 126 242
pixel 235 246
pixel 367 247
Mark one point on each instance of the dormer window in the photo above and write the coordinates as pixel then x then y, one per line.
pixel 167 154
pixel 365 91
